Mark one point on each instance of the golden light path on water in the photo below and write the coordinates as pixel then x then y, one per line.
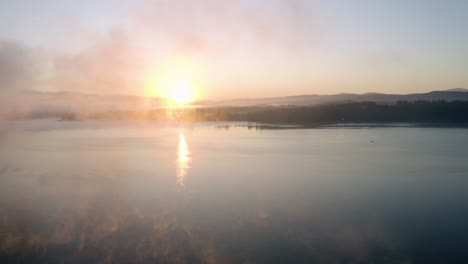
pixel 183 160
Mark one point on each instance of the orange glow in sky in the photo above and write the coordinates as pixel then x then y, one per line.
pixel 176 82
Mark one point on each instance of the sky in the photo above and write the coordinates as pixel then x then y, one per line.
pixel 234 48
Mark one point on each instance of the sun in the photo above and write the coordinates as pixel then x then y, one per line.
pixel 175 82
pixel 181 91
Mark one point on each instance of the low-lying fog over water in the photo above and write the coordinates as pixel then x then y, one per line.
pixel 87 192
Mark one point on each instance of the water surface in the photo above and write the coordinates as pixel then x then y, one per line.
pixel 79 192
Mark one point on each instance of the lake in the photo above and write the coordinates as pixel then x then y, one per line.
pixel 94 192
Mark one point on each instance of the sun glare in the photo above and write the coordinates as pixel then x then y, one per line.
pixel 176 83
pixel 181 91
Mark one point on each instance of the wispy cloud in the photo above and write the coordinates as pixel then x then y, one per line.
pixel 19 65
pixel 227 25
pixel 118 61
pixel 108 65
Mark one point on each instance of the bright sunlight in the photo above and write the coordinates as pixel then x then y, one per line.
pixel 176 83
pixel 181 91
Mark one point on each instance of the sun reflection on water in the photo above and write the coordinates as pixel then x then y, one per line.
pixel 183 160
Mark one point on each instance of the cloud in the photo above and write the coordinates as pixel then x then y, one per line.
pixel 109 65
pixel 214 33
pixel 214 25
pixel 19 66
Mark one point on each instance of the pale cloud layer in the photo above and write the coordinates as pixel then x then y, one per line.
pixel 18 65
pixel 240 48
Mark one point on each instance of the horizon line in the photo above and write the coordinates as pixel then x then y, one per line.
pixel 461 89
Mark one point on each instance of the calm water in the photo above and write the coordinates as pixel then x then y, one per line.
pixel 140 192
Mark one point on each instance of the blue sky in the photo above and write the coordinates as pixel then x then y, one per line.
pixel 240 48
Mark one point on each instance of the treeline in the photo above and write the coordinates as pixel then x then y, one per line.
pixel 365 112
pixel 455 112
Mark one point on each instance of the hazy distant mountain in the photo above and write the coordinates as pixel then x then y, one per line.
pixel 451 95
pixel 457 90
pixel 27 103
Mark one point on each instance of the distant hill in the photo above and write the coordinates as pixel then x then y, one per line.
pixel 38 104
pixel 451 95
pixel 457 90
